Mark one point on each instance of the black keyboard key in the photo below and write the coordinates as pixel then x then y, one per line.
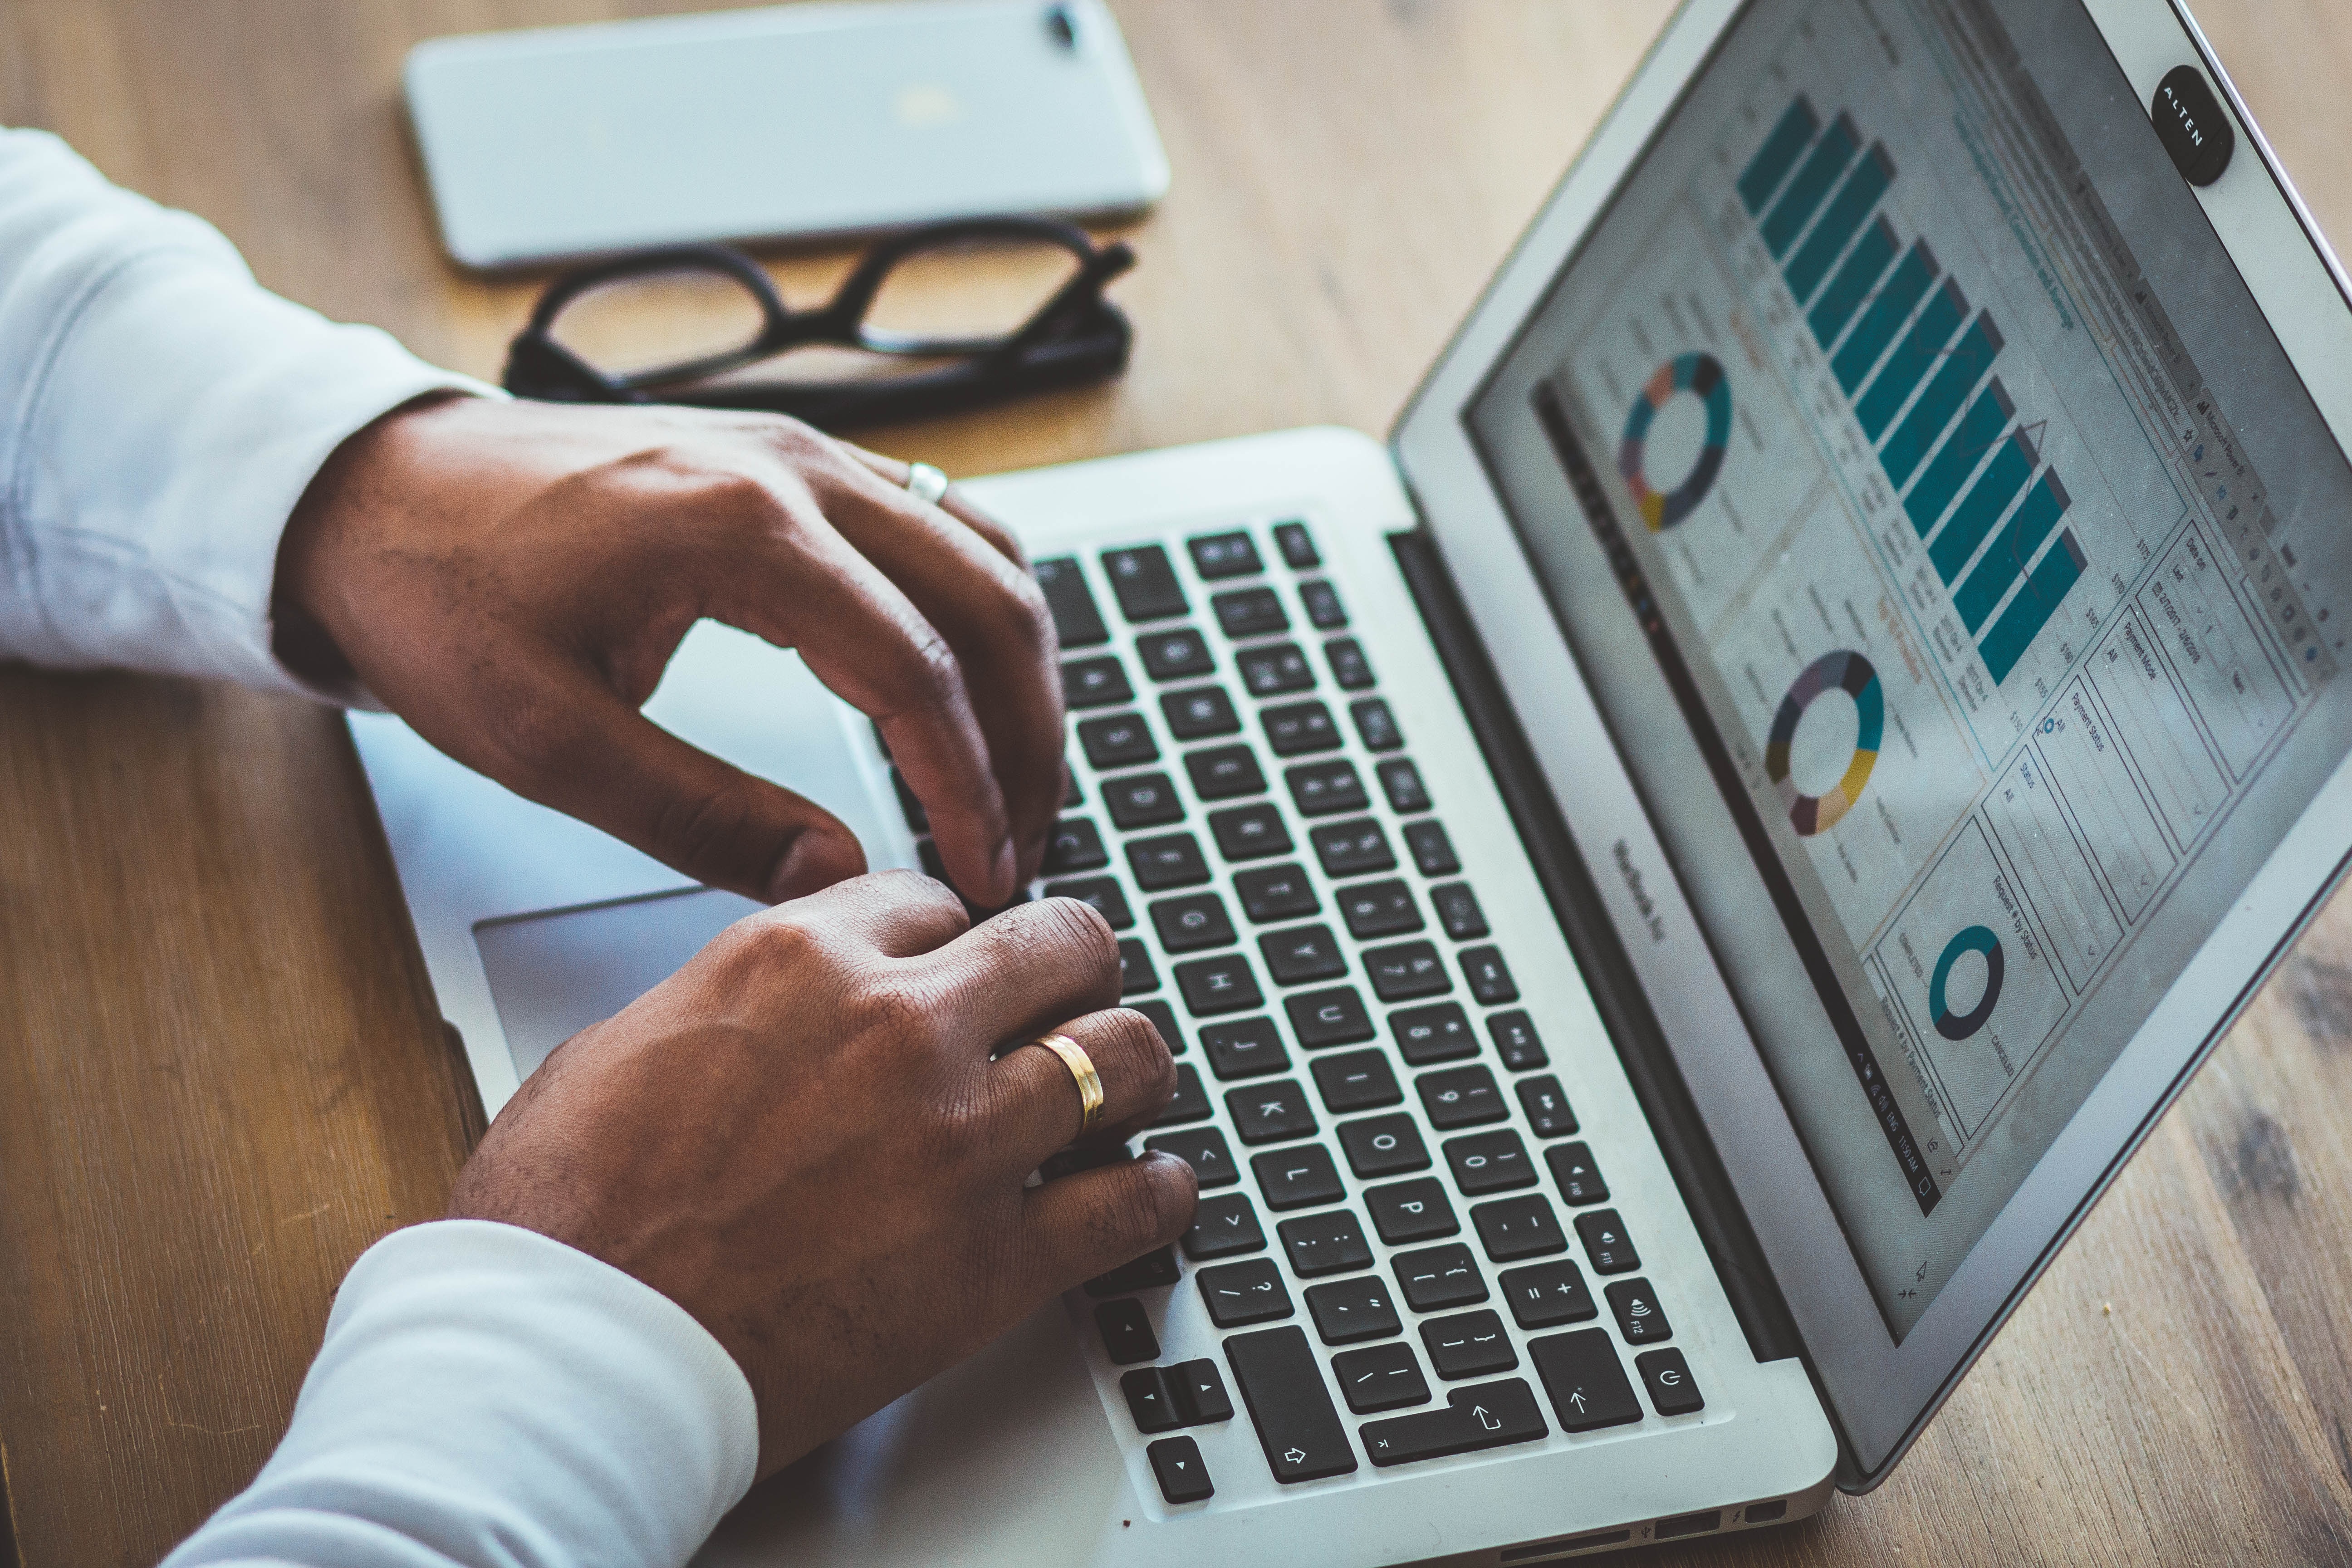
pixel 1486 1415
pixel 1513 1228
pixel 1152 1269
pixel 1375 725
pixel 1224 1226
pixel 1076 622
pixel 1493 1162
pixel 1270 1112
pixel 1378 909
pixel 1076 846
pixel 1247 1047
pixel 1298 546
pixel 1239 1294
pixel 1180 654
pixel 1329 1243
pixel 1606 1245
pixel 1578 1178
pixel 1639 1317
pixel 1352 848
pixel 1379 1377
pixel 1200 1392
pixel 910 806
pixel 1136 974
pixel 1458 910
pixel 1216 555
pixel 1176 1466
pixel 1295 728
pixel 1437 1033
pixel 1348 1311
pixel 1472 1344
pixel 1252 833
pixel 1400 782
pixel 1289 1405
pixel 1489 977
pixel 1547 1107
pixel 1274 670
pixel 1350 668
pixel 1356 1080
pixel 1163 1019
pixel 1094 683
pixel 1438 1278
pixel 1410 1211
pixel 1220 984
pixel 1322 603
pixel 1405 970
pixel 1071 795
pixel 1275 892
pixel 1302 955
pixel 1189 1103
pixel 1145 583
pixel 1299 1178
pixel 1117 740
pixel 1125 1330
pixel 1432 851
pixel 1586 1385
pixel 1546 1295
pixel 1460 1097
pixel 1172 861
pixel 1320 789
pixel 1192 923
pixel 1335 1016
pixel 1142 800
pixel 1517 1042
pixel 1222 773
pixel 1383 1146
pixel 1202 1147
pixel 1102 892
pixel 1199 712
pixel 1250 613
pixel 1672 1388
pixel 1148 1401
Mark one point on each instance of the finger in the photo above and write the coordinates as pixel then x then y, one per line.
pixel 899 914
pixel 955 503
pixel 1035 1095
pixel 1036 963
pixel 1091 1223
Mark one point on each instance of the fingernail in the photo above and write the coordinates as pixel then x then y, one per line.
pixel 1001 876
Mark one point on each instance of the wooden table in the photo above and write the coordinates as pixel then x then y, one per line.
pixel 221 1074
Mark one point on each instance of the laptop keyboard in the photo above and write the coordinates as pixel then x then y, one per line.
pixel 1405 1249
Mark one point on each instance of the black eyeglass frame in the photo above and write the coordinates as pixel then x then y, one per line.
pixel 1074 338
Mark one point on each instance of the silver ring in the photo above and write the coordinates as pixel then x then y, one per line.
pixel 926 483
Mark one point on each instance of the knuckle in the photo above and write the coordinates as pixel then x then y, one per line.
pixel 926 672
pixel 898 1010
pixel 769 941
pixel 1077 927
pixel 1021 616
pixel 1142 1055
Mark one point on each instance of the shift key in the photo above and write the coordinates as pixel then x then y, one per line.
pixel 1283 1386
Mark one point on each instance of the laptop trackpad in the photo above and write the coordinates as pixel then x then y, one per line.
pixel 554 974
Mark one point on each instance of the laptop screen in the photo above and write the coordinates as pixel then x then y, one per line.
pixel 1958 559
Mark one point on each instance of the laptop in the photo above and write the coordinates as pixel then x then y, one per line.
pixel 1675 881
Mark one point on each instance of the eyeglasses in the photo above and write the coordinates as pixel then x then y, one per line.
pixel 885 312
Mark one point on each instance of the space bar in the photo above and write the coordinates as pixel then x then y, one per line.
pixel 1289 1405
pixel 1485 1416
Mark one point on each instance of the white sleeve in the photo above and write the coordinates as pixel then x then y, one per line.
pixel 160 414
pixel 489 1398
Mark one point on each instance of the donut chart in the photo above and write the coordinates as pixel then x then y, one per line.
pixel 1702 375
pixel 1845 671
pixel 1976 939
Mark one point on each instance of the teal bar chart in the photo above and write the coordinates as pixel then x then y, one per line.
pixel 1916 361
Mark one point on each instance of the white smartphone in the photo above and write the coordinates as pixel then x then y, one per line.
pixel 786 121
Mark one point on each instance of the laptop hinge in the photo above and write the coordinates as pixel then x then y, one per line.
pixel 1707 1190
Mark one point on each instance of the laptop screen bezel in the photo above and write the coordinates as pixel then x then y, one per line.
pixel 1880 1393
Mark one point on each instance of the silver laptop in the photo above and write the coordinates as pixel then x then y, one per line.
pixel 1675 882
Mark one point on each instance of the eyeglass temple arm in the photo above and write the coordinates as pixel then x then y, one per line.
pixel 1083 290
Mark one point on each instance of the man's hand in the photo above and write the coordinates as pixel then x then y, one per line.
pixel 801 1140
pixel 511 578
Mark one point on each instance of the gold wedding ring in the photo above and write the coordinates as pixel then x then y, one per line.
pixel 1082 1072
pixel 927 484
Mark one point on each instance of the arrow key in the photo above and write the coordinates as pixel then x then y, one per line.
pixel 1176 1465
pixel 1199 1391
pixel 1486 1415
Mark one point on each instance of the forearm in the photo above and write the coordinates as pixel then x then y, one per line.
pixel 160 414
pixel 486 1397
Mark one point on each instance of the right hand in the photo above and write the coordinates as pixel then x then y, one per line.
pixel 800 1139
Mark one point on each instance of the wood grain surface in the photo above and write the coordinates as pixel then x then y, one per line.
pixel 221 1074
